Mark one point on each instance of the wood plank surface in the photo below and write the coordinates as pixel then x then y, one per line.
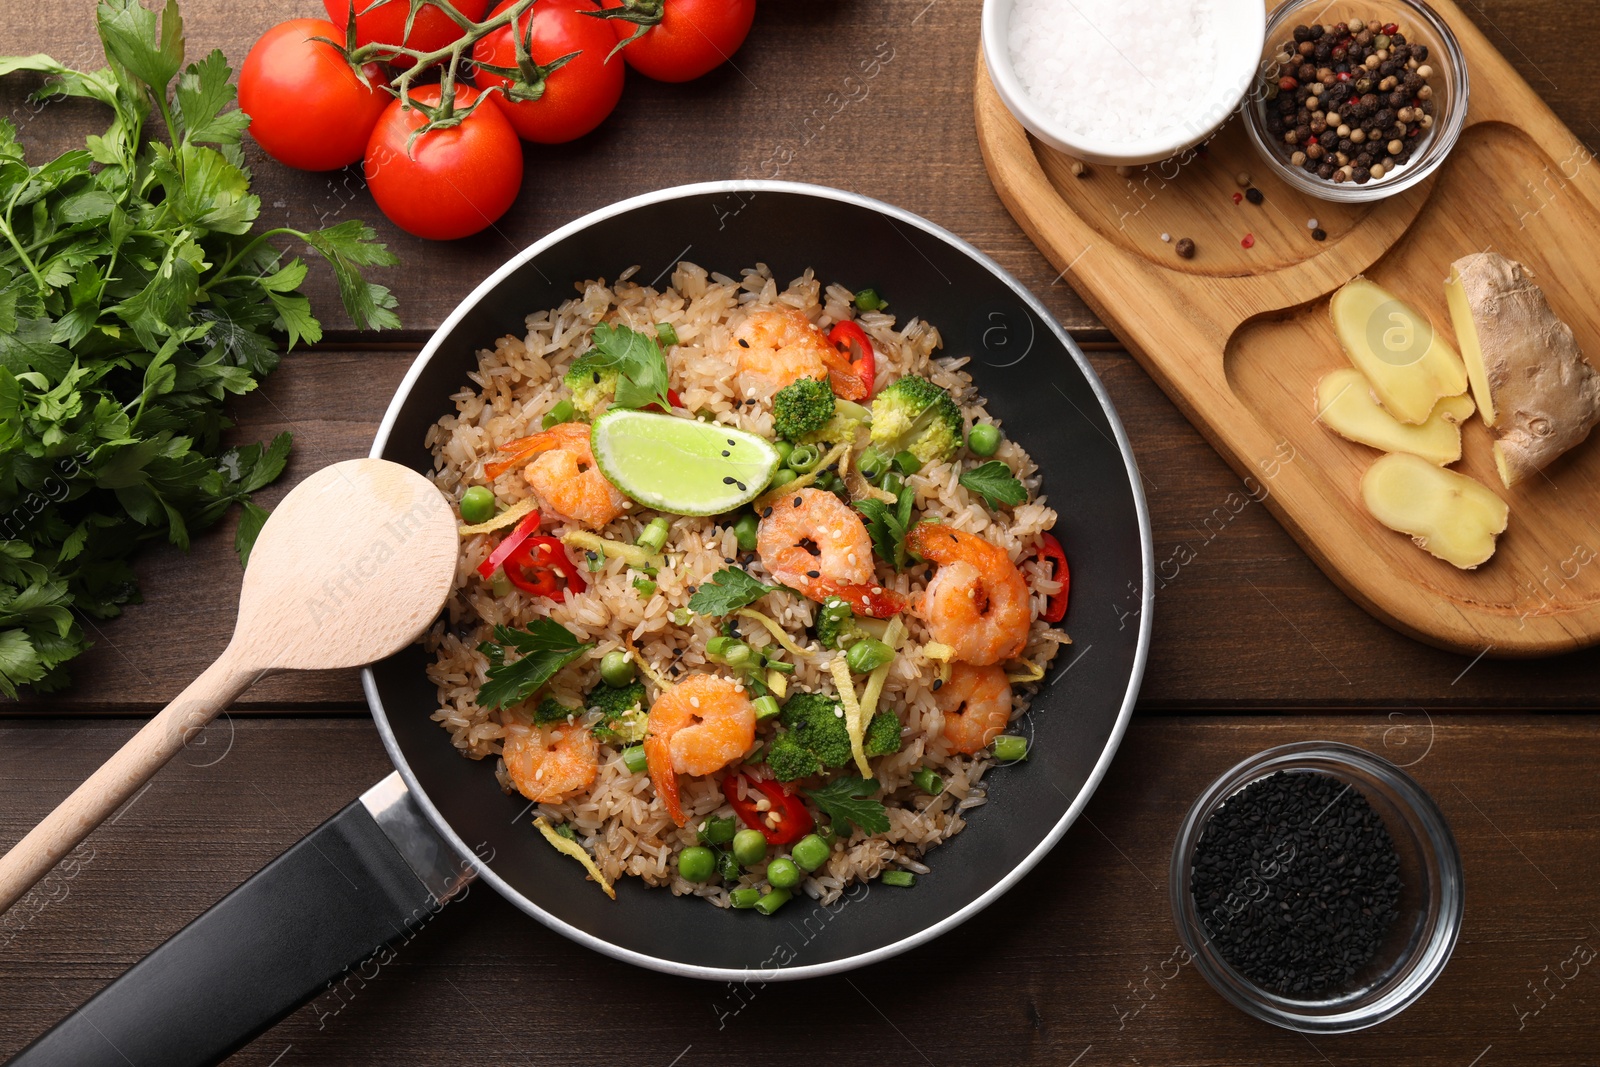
pixel 1078 961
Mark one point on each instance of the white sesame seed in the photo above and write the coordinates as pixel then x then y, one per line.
pixel 1166 237
pixel 1311 224
pixel 838 713
pixel 694 702
pixel 877 590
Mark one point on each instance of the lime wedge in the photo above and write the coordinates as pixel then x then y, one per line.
pixel 682 466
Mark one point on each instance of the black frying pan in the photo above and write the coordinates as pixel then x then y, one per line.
pixel 380 867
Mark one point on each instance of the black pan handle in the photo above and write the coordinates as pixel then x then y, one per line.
pixel 367 876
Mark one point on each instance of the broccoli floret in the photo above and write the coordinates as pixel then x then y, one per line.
pixel 552 710
pixel 590 385
pixel 804 405
pixel 883 734
pixel 625 729
pixel 614 703
pixel 816 720
pixel 847 419
pixel 836 624
pixel 789 759
pixel 917 416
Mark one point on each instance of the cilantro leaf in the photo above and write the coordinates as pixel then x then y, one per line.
pixel 203 92
pixel 251 520
pixel 887 526
pixel 544 647
pixel 727 591
pixel 348 247
pixel 848 801
pixel 128 31
pixel 995 483
pixel 640 366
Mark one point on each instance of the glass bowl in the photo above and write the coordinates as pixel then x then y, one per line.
pixel 1420 25
pixel 1233 69
pixel 1418 943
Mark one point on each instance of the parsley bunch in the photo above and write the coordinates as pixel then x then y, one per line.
pixel 135 297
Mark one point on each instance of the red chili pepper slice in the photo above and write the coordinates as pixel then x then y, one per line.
pixel 672 398
pixel 794 821
pixel 538 567
pixel 855 373
pixel 519 533
pixel 1051 551
pixel 873 601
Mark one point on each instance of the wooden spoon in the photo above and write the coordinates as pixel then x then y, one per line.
pixel 351 567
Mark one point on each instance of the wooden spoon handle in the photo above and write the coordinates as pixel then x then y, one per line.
pixel 121 776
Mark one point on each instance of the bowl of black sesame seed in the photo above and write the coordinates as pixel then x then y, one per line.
pixel 1357 101
pixel 1318 887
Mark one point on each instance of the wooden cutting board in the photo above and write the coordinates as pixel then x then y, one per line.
pixel 1239 336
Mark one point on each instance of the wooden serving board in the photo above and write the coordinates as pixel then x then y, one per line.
pixel 1238 337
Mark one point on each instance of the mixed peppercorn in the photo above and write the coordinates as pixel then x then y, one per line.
pixel 1350 101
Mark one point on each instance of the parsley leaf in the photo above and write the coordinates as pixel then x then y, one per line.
pixel 995 483
pixel 847 801
pixel 544 647
pixel 727 591
pixel 640 366
pixel 887 527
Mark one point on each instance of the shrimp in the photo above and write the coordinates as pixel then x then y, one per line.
pixel 976 702
pixel 564 474
pixel 550 763
pixel 814 542
pixel 977 602
pixel 779 345
pixel 697 727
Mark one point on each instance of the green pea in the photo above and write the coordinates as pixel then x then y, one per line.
pixel 562 412
pixel 783 874
pixel 783 477
pixel 983 439
pixel 872 463
pixel 810 852
pixel 633 758
pixel 928 780
pixel 477 505
pixel 773 901
pixel 803 459
pixel 749 847
pixel 892 483
pixel 654 536
pixel 783 449
pixel 903 879
pixel 745 897
pixel 1010 748
pixel 867 655
pixel 766 707
pixel 617 669
pixel 696 864
pixel 666 334
pixel 869 300
pixel 745 531
pixel 907 463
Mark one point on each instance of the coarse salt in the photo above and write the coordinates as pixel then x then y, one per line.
pixel 1102 68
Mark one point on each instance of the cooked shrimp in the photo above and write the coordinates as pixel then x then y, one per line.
pixel 550 763
pixel 977 602
pixel 776 346
pixel 697 727
pixel 568 480
pixel 814 542
pixel 976 702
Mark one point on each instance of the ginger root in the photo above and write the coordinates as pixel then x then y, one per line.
pixel 1534 389
pixel 1409 365
pixel 1448 514
pixel 1346 406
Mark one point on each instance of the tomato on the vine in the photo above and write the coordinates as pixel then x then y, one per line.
pixel 431 30
pixel 452 181
pixel 578 94
pixel 682 39
pixel 308 107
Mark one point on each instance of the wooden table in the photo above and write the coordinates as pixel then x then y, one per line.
pixel 1253 647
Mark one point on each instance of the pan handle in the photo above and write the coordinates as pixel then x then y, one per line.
pixel 369 875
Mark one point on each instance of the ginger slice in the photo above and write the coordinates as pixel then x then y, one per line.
pixel 1408 363
pixel 1346 406
pixel 1448 514
pixel 1534 389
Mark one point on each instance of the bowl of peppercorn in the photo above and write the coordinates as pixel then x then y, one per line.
pixel 1318 887
pixel 1362 108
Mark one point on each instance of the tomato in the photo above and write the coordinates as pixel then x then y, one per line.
pixel 452 182
pixel 579 94
pixel 431 30
pixel 685 38
pixel 308 108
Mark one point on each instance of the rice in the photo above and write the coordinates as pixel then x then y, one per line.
pixel 620 820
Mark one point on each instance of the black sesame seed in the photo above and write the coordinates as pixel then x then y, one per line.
pixel 813 574
pixel 1319 234
pixel 743 343
pixel 597 377
pixel 740 485
pixel 1254 195
pixel 727 479
pixel 767 513
pixel 796 501
pixel 937 684
pixel 674 670
pixel 725 452
pixel 730 442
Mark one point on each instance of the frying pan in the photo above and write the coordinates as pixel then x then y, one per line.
pixel 381 867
